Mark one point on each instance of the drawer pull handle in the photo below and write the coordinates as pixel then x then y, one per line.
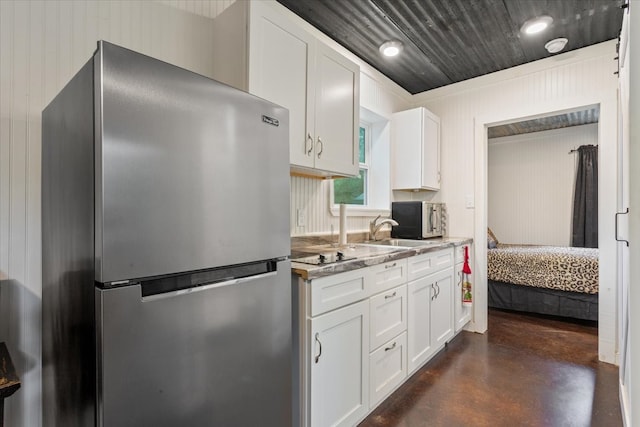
pixel 391 347
pixel 390 265
pixel 320 353
pixel 391 296
pixel 309 139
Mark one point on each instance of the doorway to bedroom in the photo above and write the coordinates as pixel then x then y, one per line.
pixel 542 215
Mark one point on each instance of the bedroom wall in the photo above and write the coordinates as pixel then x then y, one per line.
pixel 561 82
pixel 531 180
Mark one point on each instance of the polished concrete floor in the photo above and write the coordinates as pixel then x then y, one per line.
pixel 525 371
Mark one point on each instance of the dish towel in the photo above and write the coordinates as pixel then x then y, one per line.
pixel 467 296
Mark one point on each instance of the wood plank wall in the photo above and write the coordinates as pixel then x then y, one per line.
pixel 42 45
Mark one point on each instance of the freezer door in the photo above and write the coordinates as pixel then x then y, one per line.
pixel 190 173
pixel 206 356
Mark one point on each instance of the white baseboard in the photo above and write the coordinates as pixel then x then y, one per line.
pixel 625 405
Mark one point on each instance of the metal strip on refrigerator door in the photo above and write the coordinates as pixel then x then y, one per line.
pixel 238 281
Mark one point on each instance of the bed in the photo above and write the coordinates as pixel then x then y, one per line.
pixel 559 281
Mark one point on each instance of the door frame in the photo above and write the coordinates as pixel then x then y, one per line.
pixel 607 203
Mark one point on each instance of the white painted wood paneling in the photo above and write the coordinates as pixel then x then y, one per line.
pixel 208 8
pixel 42 45
pixel 630 389
pixel 531 181
pixel 561 82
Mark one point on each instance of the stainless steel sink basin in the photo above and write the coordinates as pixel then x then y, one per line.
pixel 403 243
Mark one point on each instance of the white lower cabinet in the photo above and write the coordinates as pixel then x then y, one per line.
pixel 419 346
pixel 364 331
pixel 462 313
pixel 430 308
pixel 388 368
pixel 442 308
pixel 340 366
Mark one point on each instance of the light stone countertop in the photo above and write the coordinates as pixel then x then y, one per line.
pixel 309 271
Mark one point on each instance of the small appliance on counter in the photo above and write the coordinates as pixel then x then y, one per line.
pixel 418 220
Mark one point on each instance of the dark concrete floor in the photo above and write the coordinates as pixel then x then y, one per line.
pixel 525 371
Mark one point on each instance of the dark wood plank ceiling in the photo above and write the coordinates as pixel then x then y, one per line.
pixel 447 41
pixel 575 118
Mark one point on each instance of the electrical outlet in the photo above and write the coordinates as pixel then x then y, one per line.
pixel 301 217
pixel 468 201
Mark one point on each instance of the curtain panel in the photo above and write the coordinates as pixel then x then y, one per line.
pixel 585 199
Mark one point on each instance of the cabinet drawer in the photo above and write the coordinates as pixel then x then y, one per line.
pixel 388 368
pixel 331 292
pixel 387 315
pixel 388 275
pixel 429 263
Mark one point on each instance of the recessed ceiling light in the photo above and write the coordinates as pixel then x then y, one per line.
pixel 391 48
pixel 556 45
pixel 536 25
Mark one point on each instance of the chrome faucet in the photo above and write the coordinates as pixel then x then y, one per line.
pixel 374 226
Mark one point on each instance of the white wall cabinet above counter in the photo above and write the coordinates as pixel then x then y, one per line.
pixel 415 148
pixel 260 50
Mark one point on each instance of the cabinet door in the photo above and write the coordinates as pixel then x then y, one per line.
pixel 462 313
pixel 419 346
pixel 339 349
pixel 442 308
pixel 282 71
pixel 337 112
pixel 415 138
pixel 430 151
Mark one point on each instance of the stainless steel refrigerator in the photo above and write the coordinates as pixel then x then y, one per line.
pixel 165 250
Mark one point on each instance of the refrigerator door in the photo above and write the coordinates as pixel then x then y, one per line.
pixel 216 355
pixel 190 173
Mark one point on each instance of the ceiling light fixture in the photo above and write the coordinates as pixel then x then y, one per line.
pixel 391 48
pixel 556 45
pixel 536 25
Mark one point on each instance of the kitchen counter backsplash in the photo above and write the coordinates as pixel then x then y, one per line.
pixel 310 271
pixel 300 242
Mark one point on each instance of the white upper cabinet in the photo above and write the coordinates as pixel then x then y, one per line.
pixel 263 52
pixel 337 112
pixel 415 142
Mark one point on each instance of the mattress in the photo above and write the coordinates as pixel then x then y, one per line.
pixel 549 267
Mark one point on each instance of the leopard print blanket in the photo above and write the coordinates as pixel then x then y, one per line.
pixel 562 268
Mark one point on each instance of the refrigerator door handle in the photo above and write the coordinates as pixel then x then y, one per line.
pixel 238 281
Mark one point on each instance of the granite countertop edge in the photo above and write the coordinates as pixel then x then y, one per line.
pixel 309 272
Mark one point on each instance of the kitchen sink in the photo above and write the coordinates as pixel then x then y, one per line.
pixel 329 254
pixel 404 243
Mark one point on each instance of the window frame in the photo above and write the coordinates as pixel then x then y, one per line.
pixel 361 210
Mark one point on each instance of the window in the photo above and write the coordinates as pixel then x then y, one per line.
pixel 354 191
pixel 368 194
